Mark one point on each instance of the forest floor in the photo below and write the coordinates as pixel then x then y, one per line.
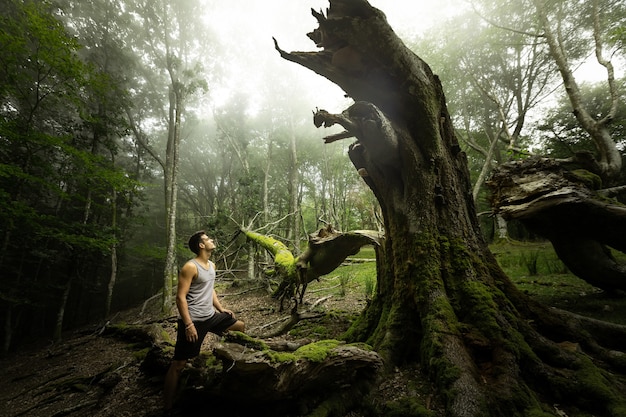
pixel 88 374
pixel 74 378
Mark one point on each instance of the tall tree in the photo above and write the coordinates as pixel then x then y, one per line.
pixel 441 297
pixel 167 33
pixel 101 28
pixel 609 158
pixel 575 32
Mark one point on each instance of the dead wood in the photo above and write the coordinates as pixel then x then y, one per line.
pixel 326 251
pixel 303 378
pixel 565 206
pixel 295 318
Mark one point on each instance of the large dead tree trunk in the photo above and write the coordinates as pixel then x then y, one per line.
pixel 441 297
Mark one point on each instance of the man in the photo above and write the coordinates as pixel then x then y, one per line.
pixel 199 311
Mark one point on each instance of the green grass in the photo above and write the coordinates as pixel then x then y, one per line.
pixel 536 269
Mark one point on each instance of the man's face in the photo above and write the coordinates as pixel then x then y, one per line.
pixel 208 243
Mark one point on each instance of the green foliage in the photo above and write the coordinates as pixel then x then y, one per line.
pixel 343 283
pixel 370 286
pixel 61 192
pixel 529 259
pixel 561 132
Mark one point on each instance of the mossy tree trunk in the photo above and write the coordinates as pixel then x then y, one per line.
pixel 441 297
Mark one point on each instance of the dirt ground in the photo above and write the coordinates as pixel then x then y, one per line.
pixel 74 378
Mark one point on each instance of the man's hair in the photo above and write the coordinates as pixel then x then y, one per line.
pixel 195 240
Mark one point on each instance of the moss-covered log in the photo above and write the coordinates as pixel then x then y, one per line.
pixel 327 249
pixel 288 382
pixel 441 297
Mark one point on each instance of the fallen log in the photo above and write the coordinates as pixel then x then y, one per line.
pixel 567 207
pixel 297 379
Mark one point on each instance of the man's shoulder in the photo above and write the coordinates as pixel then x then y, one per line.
pixel 190 266
pixel 190 263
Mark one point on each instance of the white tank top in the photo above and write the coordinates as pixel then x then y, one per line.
pixel 200 295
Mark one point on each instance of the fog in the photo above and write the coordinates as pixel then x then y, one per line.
pixel 245 30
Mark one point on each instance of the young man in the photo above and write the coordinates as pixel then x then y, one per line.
pixel 199 311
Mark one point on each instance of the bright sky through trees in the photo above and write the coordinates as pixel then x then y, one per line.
pixel 251 65
pixel 246 28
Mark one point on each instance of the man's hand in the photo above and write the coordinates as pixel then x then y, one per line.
pixel 225 310
pixel 191 333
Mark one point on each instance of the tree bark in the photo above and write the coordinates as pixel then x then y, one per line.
pixel 441 297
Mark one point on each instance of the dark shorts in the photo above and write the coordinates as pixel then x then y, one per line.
pixel 218 324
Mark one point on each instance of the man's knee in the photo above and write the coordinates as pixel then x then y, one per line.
pixel 177 365
pixel 239 326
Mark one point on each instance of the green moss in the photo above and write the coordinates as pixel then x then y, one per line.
pixel 596 388
pixel 318 351
pixel 407 407
pixel 478 301
pixel 320 331
pixel 281 357
pixel 286 261
pixel 140 355
pixel 247 340
pixel 209 360
pixel 589 388
pixel 588 178
pixel 165 336
pixel 314 352
pixel 283 257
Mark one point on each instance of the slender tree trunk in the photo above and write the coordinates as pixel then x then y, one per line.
pixel 502 232
pixel 610 160
pixel 480 181
pixel 171 197
pixel 113 276
pixel 294 223
pixel 251 260
pixel 266 192
pixel 58 328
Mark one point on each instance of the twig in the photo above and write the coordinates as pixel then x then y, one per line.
pixel 145 303
pixel 271 323
pixel 321 300
pixel 324 289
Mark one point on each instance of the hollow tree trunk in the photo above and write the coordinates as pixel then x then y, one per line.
pixel 441 297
